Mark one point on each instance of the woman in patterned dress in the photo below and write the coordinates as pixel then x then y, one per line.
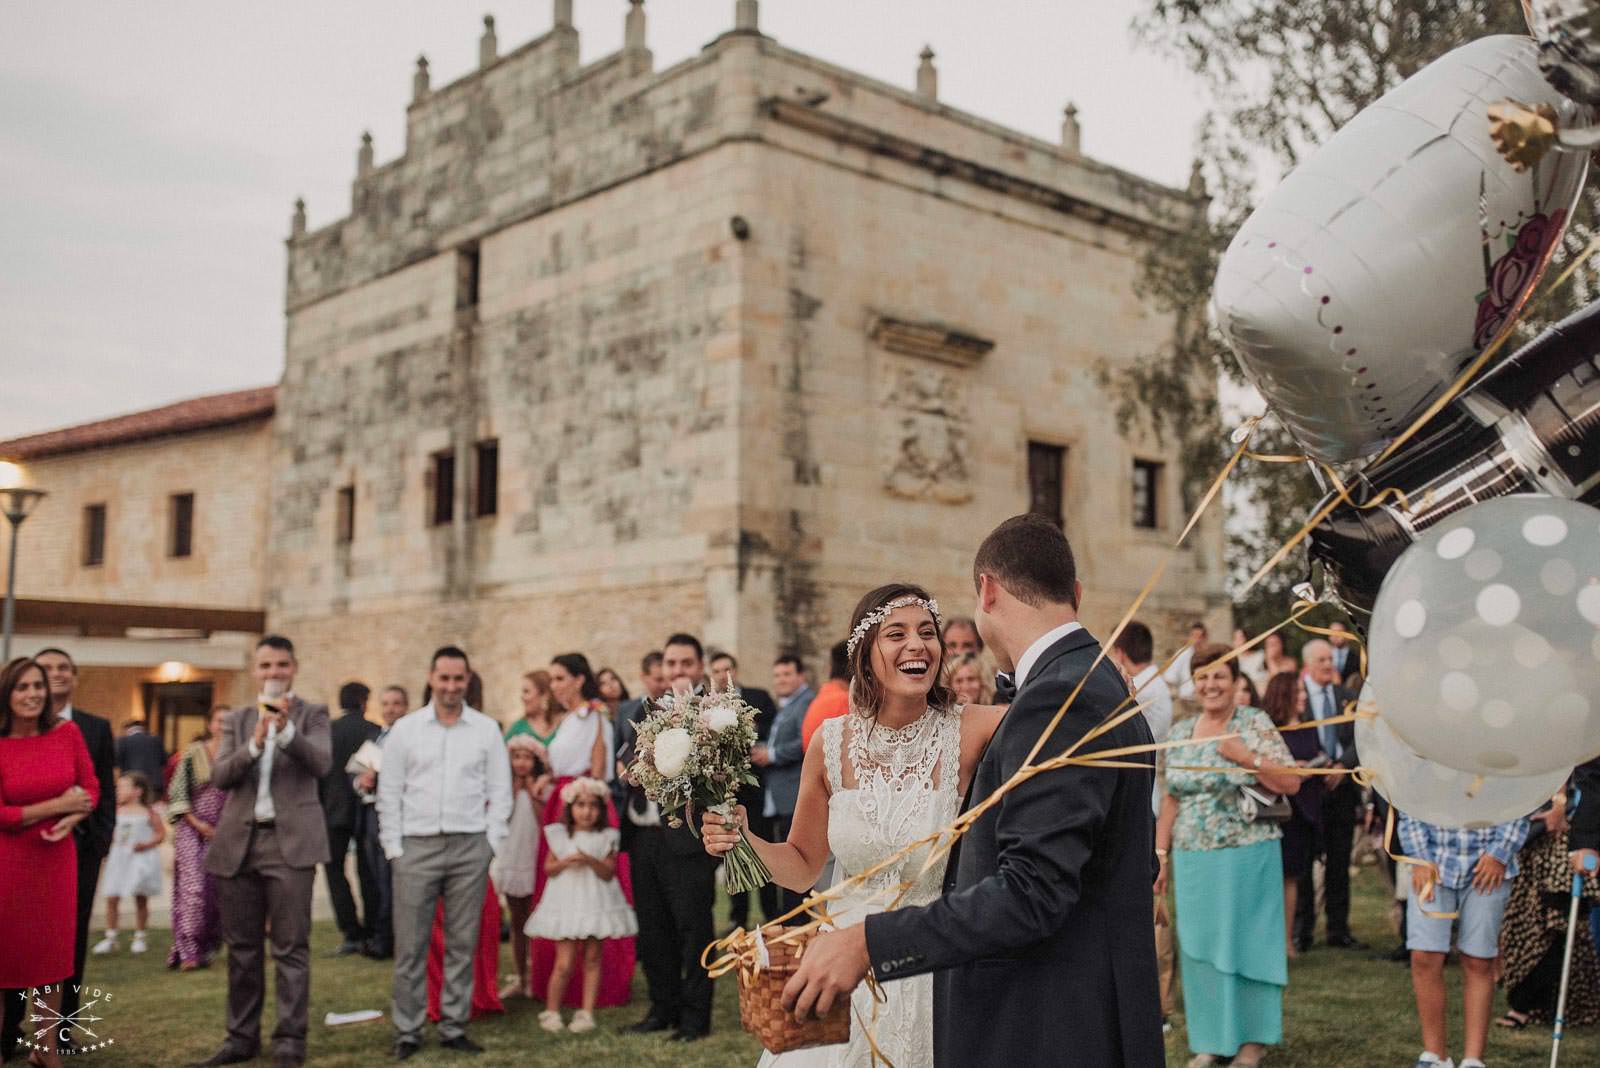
pixel 1228 871
pixel 193 807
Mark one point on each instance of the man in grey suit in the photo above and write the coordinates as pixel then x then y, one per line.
pixel 269 840
pixel 781 755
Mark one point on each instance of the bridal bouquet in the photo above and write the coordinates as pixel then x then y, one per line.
pixel 694 749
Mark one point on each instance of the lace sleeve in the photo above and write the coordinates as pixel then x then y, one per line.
pixel 832 746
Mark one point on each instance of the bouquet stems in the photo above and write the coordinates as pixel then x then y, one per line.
pixel 742 868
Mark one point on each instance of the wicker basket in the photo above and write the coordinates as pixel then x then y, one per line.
pixel 761 1002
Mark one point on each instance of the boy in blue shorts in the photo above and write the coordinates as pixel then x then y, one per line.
pixel 1473 880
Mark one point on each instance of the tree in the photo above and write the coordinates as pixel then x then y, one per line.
pixel 1283 76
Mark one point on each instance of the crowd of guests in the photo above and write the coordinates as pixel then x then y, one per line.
pixel 460 826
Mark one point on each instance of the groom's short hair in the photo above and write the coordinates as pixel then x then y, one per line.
pixel 1030 556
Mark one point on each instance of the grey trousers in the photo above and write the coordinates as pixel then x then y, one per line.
pixel 267 891
pixel 454 867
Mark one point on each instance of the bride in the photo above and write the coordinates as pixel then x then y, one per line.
pixel 893 771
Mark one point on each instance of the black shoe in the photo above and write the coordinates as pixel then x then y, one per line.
pixel 1345 941
pixel 1302 945
pixel 686 1034
pixel 1399 955
pixel 287 1060
pixel 405 1049
pixel 461 1044
pixel 225 1055
pixel 348 947
pixel 372 949
pixel 651 1024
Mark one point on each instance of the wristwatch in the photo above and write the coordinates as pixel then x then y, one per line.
pixel 1162 853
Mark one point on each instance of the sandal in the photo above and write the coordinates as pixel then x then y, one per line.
pixel 1202 1060
pixel 512 988
pixel 1514 1020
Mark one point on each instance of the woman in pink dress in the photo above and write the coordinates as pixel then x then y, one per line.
pixel 581 747
pixel 47 786
pixel 193 806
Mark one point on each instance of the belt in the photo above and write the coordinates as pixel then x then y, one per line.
pixel 264 825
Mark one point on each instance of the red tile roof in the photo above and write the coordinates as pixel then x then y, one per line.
pixel 201 413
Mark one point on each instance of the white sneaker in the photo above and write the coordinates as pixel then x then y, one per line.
pixel 582 1020
pixel 139 944
pixel 550 1020
pixel 1472 1062
pixel 108 944
pixel 1433 1060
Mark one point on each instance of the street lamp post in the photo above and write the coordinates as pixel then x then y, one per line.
pixel 18 502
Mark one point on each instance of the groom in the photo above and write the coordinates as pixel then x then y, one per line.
pixel 1042 944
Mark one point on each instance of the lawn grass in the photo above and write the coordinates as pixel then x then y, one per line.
pixel 1343 1009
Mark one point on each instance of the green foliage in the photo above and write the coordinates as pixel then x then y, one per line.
pixel 1283 76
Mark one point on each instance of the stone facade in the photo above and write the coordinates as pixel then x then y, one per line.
pixel 749 335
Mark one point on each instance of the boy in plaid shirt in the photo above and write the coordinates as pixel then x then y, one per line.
pixel 1474 872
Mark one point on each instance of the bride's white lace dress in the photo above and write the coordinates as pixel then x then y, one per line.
pixel 887 788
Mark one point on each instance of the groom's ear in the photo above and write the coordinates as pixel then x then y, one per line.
pixel 988 593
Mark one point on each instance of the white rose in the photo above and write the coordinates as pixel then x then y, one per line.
pixel 719 718
pixel 673 747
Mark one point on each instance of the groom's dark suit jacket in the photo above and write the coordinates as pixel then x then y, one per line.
pixel 1042 945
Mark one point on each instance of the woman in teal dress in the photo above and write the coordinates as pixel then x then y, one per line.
pixel 540 716
pixel 1228 872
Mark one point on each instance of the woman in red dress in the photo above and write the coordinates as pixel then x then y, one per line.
pixel 47 786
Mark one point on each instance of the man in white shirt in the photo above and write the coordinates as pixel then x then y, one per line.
pixel 1133 652
pixel 444 802
pixel 1180 675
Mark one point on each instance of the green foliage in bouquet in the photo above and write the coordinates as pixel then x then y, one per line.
pixel 693 751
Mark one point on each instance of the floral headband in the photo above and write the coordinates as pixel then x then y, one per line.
pixel 878 615
pixel 581 787
pixel 528 742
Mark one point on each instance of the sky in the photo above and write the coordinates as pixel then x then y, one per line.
pixel 150 154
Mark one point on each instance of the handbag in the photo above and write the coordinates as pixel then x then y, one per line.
pixel 1258 805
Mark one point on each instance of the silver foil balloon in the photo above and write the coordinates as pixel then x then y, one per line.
pixel 1439 795
pixel 1532 425
pixel 1359 287
pixel 1485 641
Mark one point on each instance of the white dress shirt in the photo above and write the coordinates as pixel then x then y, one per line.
pixel 1181 674
pixel 439 779
pixel 1037 649
pixel 264 756
pixel 1151 690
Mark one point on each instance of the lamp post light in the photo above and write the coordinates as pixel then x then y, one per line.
pixel 17 501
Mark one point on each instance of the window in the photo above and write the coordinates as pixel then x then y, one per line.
pixel 94 535
pixel 443 480
pixel 181 525
pixel 487 497
pixel 467 276
pixel 1146 494
pixel 345 521
pixel 1047 469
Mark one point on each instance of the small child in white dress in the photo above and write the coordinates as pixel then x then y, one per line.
pixel 582 904
pixel 133 866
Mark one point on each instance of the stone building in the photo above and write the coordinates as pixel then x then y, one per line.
pixel 609 351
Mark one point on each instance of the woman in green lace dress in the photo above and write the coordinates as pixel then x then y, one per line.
pixel 1228 872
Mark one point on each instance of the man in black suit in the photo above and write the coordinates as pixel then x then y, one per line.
pixel 1041 946
pixel 93 835
pixel 1341 804
pixel 725 669
pixel 139 750
pixel 674 883
pixel 344 813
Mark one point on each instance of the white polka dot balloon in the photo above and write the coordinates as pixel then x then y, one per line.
pixel 1485 639
pixel 1439 795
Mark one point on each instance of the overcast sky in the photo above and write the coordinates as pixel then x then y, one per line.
pixel 150 153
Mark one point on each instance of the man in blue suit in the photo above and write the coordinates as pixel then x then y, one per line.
pixel 781 755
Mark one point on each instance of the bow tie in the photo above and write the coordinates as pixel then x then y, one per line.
pixel 1005 688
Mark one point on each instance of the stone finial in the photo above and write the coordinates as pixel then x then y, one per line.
pixel 364 155
pixel 927 75
pixel 747 16
pixel 488 45
pixel 633 27
pixel 1071 132
pixel 1197 181
pixel 562 15
pixel 419 81
pixel 297 221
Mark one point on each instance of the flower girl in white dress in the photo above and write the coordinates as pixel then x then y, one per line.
pixel 873 782
pixel 582 903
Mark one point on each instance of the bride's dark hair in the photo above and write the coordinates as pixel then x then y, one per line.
pixel 866 689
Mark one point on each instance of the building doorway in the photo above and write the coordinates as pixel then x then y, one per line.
pixel 177 712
